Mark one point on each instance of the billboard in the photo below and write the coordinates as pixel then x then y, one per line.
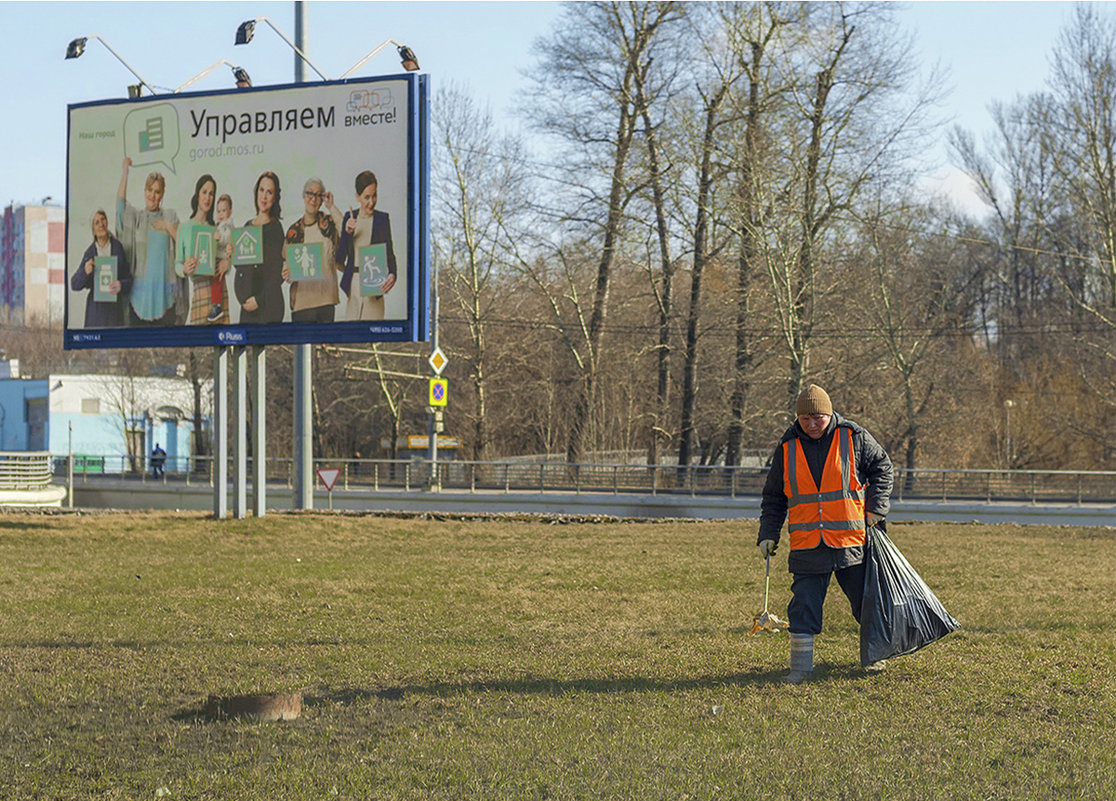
pixel 291 214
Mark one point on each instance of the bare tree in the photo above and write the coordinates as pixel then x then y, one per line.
pixel 850 73
pixel 918 300
pixel 725 72
pixel 478 188
pixel 585 93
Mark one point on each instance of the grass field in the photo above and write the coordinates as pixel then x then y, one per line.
pixel 526 659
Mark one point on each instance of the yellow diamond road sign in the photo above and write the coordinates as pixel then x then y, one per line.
pixel 438 361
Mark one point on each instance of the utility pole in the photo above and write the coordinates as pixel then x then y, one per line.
pixel 303 445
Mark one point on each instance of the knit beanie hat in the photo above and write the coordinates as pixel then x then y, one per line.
pixel 813 400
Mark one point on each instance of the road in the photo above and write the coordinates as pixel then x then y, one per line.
pixel 126 494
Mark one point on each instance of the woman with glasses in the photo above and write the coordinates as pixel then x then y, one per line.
pixel 314 294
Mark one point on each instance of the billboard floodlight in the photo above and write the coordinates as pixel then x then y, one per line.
pixel 406 56
pixel 76 48
pixel 247 30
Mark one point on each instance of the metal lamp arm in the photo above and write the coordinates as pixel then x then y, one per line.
pixel 368 57
pixel 205 72
pixel 120 58
pixel 293 47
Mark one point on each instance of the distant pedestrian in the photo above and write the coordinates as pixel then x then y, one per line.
pixel 830 480
pixel 158 459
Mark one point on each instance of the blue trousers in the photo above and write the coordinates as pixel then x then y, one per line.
pixel 808 596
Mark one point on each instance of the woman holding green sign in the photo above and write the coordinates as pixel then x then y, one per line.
pixel 105 272
pixel 197 256
pixel 311 262
pixel 368 253
pixel 259 287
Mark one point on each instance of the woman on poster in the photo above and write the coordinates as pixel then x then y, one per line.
pixel 314 300
pixel 103 313
pixel 207 289
pixel 361 228
pixel 158 296
pixel 259 287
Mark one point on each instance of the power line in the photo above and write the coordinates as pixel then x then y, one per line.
pixel 1004 332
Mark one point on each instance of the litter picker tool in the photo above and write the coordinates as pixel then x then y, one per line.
pixel 766 620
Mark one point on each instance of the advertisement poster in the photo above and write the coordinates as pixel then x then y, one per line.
pixel 257 216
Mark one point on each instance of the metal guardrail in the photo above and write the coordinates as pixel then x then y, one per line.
pixel 25 470
pixel 944 484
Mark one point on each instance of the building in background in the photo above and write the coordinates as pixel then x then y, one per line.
pixel 114 420
pixel 33 265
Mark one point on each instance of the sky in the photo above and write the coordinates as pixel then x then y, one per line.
pixel 992 51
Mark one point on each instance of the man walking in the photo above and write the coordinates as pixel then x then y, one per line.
pixel 158 458
pixel 829 480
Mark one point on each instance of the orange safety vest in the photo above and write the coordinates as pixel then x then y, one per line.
pixel 834 511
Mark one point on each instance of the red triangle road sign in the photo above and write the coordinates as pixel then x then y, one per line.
pixel 329 475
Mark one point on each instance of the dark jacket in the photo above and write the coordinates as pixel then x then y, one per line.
pixel 104 313
pixel 873 469
pixel 264 282
pixel 381 234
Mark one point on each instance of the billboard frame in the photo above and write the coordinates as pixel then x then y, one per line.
pixel 416 327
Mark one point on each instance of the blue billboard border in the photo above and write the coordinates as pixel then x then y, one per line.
pixel 416 328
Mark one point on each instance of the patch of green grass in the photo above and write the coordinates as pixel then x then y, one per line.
pixel 525 660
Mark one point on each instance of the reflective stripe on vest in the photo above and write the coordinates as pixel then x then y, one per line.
pixel 834 511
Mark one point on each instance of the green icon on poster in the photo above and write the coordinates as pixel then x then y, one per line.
pixel 373 269
pixel 247 245
pixel 104 273
pixel 204 250
pixel 304 260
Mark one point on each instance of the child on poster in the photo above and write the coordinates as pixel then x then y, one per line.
pixel 198 257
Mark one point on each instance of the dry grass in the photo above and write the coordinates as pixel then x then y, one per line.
pixel 525 660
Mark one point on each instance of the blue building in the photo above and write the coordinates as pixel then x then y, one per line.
pixel 110 422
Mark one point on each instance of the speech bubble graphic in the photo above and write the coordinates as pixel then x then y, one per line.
pixel 365 100
pixel 151 135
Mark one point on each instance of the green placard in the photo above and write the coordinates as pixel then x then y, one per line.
pixel 204 250
pixel 247 245
pixel 373 269
pixel 104 274
pixel 304 260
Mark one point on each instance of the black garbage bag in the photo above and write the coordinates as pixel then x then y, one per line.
pixel 900 613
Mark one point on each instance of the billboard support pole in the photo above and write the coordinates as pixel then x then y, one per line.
pixel 259 432
pixel 303 446
pixel 240 422
pixel 220 450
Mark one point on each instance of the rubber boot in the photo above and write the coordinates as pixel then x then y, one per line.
pixel 801 658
